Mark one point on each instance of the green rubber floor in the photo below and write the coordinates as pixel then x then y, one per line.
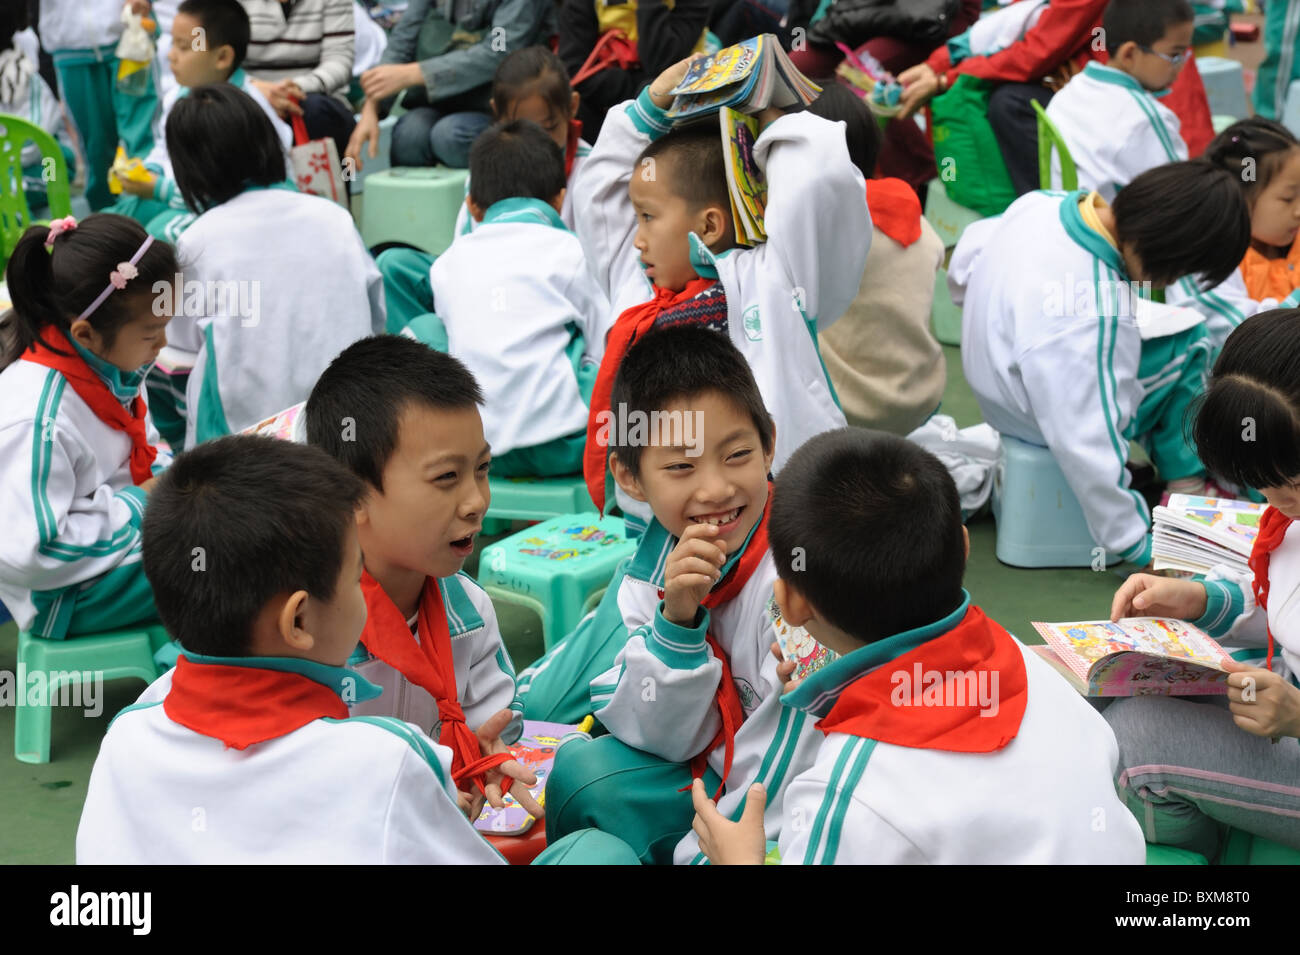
pixel 42 804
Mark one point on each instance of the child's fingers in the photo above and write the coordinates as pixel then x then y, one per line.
pixel 776 652
pixel 1122 603
pixel 525 798
pixel 698 566
pixel 515 770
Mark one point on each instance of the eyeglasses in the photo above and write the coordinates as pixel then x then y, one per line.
pixel 1173 59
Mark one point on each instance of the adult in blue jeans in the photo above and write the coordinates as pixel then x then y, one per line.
pixel 442 55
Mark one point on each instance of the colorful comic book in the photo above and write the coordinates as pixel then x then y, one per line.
pixel 1196 533
pixel 535 750
pixel 289 425
pixel 797 644
pixel 746 185
pixel 1135 656
pixel 748 77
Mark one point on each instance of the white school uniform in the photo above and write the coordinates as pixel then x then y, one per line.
pixel 465 223
pixel 679 720
pixel 780 293
pixel 370 791
pixel 1114 128
pixel 510 294
pixel 25 94
pixel 485 675
pixel 71 510
pixel 317 291
pixel 1053 357
pixel 1225 306
pixel 1047 797
pixel 80 24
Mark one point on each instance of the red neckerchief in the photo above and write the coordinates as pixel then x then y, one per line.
pixel 867 707
pixel 728 697
pixel 429 664
pixel 894 209
pixel 245 705
pixel 634 322
pixel 571 147
pixel 1273 525
pixel 91 389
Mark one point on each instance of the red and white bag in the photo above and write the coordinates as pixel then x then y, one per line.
pixel 316 167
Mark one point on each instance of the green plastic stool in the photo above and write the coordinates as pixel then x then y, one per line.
pixel 945 317
pixel 1049 138
pixel 1242 848
pixel 1168 855
pixel 113 655
pixel 534 499
pixel 415 206
pixel 556 568
pixel 948 218
pixel 15 215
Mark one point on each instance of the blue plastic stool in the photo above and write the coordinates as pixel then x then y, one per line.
pixel 110 656
pixel 1224 86
pixel 380 163
pixel 415 206
pixel 1291 111
pixel 1039 520
pixel 948 218
pixel 556 568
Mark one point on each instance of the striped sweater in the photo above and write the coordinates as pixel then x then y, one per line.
pixel 311 42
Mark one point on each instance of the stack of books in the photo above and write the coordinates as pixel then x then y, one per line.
pixel 1193 534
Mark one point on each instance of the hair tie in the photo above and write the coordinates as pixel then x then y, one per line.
pixel 118 278
pixel 57 228
pixel 1236 138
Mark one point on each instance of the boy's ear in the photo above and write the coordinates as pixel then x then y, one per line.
pixel 625 479
pixel 475 210
pixel 290 622
pixel 1126 53
pixel 796 610
pixel 558 202
pixel 965 539
pixel 225 58
pixel 770 455
pixel 714 224
pixel 574 99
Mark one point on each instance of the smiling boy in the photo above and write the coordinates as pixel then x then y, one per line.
pixel 404 418
pixel 683 677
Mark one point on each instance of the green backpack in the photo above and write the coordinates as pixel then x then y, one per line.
pixel 966 149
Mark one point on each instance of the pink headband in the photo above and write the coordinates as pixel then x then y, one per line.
pixel 57 228
pixel 124 272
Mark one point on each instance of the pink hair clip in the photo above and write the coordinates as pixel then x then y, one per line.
pixel 57 228
pixel 124 273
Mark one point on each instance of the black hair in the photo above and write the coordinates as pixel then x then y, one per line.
pixel 220 143
pixel 697 170
pixel 13 19
pixel 867 526
pixel 1184 218
pixel 1143 22
pixel 356 406
pixel 1253 151
pixel 224 22
pixel 515 159
pixel 682 362
pixel 533 69
pixel 54 288
pixel 237 521
pixel 1248 423
pixel 862 132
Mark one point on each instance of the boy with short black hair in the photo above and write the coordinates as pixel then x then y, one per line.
pixel 675 662
pixel 1064 349
pixel 935 718
pixel 519 306
pixel 209 42
pixel 655 219
pixel 244 752
pixel 404 418
pixel 1110 115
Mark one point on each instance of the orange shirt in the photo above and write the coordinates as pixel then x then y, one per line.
pixel 1271 278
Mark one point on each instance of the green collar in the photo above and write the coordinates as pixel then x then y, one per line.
pixel 351 686
pixel 124 385
pixel 818 691
pixel 238 78
pixel 520 209
pixel 1086 236
pixel 1109 74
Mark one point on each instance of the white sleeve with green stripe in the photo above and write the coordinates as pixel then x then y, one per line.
pixel 491 687
pixel 59 531
pixel 1225 306
pixel 660 694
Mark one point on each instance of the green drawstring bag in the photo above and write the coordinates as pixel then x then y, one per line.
pixel 966 150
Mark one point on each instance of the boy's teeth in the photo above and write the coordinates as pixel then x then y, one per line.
pixel 718 521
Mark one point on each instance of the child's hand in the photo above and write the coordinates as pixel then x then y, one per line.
pixel 142 189
pixel 471 804
pixel 668 79
pixel 725 842
pixel 1262 702
pixel 784 669
pixel 920 84
pixel 692 569
pixel 769 116
pixel 508 773
pixel 1146 595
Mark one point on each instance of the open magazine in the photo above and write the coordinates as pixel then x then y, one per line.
pixel 1135 656
pixel 1196 533
pixel 289 425
pixel 797 644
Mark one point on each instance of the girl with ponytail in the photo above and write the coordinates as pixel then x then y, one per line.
pixel 77 447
